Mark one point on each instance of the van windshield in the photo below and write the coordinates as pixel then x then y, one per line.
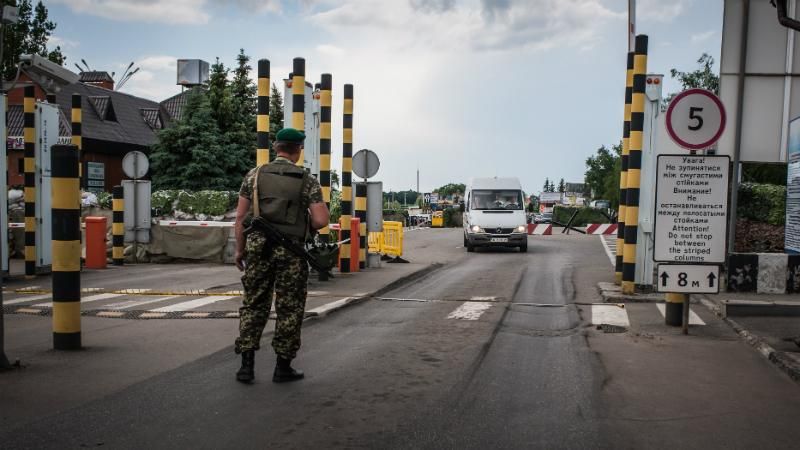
pixel 496 199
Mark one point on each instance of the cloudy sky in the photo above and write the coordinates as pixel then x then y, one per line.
pixel 458 88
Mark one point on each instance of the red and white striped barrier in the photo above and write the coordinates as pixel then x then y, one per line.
pixel 601 228
pixel 540 229
pixel 193 223
pixel 16 225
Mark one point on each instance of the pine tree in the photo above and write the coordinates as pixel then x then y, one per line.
pixel 561 186
pixel 275 112
pixel 546 187
pixel 243 89
pixel 29 35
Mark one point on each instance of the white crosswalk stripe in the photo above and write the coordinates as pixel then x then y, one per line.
pixel 610 245
pixel 128 304
pixel 610 314
pixel 27 298
pixel 192 304
pixel 694 319
pixel 89 299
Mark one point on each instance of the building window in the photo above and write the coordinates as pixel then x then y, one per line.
pixel 21 166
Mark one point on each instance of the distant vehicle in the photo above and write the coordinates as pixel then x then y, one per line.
pixel 494 214
pixel 600 204
pixel 546 217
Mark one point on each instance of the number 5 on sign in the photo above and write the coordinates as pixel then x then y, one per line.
pixel 695 119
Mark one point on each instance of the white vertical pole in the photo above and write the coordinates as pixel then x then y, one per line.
pixel 631 25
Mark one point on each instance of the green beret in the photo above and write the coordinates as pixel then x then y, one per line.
pixel 290 135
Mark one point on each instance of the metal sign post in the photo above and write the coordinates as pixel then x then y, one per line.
pixel 365 165
pixel 691 204
pixel 137 218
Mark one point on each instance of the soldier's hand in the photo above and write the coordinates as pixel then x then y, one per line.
pixel 238 259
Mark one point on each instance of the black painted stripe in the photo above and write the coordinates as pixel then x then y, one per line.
pixel 640 46
pixel 620 233
pixel 639 83
pixel 30 150
pixel 618 266
pixel 631 60
pixel 325 114
pixel 624 162
pixel 64 161
pixel 326 82
pixel 348 91
pixel 262 139
pixel 118 216
pixel 631 233
pixel 30 267
pixel 298 103
pixel 118 192
pixel 347 150
pixel 324 146
pixel 635 159
pixel 628 95
pixel 361 190
pixel 628 271
pixel 637 121
pixel 673 314
pixel 30 209
pixel 118 261
pixel 325 178
pixel 347 120
pixel 30 239
pixel 299 67
pixel 30 179
pixel 118 240
pixel 623 200
pixel 76 100
pixel 66 286
pixel 347 179
pixel 263 68
pixel 67 341
pixel 626 129
pixel 28 120
pixel 346 205
pixel 263 106
pixel 66 224
pixel 76 129
pixel 632 196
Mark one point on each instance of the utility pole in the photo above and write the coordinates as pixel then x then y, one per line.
pixel 417 180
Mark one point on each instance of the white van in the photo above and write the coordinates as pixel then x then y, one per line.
pixel 494 214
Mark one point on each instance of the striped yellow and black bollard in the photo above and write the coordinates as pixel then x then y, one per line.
pixel 118 226
pixel 299 100
pixel 623 176
pixel 77 129
pixel 636 139
pixel 66 246
pixel 325 103
pixel 361 214
pixel 347 185
pixel 262 114
pixel 29 136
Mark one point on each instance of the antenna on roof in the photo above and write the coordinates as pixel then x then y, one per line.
pixel 127 77
pixel 126 71
pixel 79 68
pixel 87 65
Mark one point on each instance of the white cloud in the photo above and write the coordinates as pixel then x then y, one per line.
pixel 55 41
pixel 330 50
pixel 702 37
pixel 154 80
pixel 661 10
pixel 179 12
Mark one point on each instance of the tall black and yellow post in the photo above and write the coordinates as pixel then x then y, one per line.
pixel 29 136
pixel 77 129
pixel 118 226
pixel 325 103
pixel 634 165
pixel 66 246
pixel 623 176
pixel 361 214
pixel 262 113
pixel 299 100
pixel 347 177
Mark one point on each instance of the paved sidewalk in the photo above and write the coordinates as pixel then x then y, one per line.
pixel 118 352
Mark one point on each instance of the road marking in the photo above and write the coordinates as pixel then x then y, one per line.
pixel 483 299
pixel 609 253
pixel 326 308
pixel 610 315
pixel 89 299
pixel 30 298
pixel 470 311
pixel 192 304
pixel 694 319
pixel 131 303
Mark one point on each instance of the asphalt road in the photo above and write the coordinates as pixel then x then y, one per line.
pixel 490 351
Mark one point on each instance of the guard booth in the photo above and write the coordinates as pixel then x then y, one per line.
pixel 312 121
pixel 3 196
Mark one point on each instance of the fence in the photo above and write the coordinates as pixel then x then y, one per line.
pixel 389 242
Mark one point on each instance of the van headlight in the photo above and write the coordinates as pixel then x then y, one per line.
pixel 476 229
pixel 521 229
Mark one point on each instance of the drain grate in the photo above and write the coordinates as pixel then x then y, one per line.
pixel 611 328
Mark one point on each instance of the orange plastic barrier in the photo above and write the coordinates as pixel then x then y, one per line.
pixel 95 242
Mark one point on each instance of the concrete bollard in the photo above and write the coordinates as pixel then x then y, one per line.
pixel 347 177
pixel 29 136
pixel 118 226
pixel 299 100
pixel 262 114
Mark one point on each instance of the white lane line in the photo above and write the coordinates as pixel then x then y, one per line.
pixel 192 304
pixel 89 299
pixel 470 311
pixel 131 303
pixel 610 315
pixel 694 319
pixel 27 298
pixel 324 309
pixel 483 299
pixel 611 256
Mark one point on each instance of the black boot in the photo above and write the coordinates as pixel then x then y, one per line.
pixel 284 371
pixel 246 373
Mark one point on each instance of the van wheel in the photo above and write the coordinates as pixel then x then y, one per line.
pixel 470 248
pixel 466 242
pixel 523 248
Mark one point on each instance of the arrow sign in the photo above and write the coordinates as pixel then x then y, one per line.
pixel 664 278
pixel 711 277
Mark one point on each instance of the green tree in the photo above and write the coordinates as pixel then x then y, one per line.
pixel 334 180
pixel 275 112
pixel 189 154
pixel 561 186
pixel 450 189
pixel 243 89
pixel 30 35
pixel 704 78
pixel 602 173
pixel 546 187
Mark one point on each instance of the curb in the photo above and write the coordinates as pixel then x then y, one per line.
pixel 779 359
pixel 612 293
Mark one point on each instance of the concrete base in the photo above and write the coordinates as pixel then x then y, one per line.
pixel 373 260
pixel 760 308
pixel 612 293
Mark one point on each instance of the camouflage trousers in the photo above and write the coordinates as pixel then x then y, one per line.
pixel 277 271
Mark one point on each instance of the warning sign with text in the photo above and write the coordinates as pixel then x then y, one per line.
pixel 691 214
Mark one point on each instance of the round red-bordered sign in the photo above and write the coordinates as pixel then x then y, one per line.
pixel 695 119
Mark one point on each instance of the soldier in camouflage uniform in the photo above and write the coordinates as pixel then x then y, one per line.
pixel 273 269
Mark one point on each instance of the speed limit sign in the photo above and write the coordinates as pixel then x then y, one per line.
pixel 695 119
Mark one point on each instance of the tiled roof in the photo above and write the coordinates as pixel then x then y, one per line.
pixel 153 118
pixel 103 107
pixel 95 76
pixel 174 105
pixel 15 122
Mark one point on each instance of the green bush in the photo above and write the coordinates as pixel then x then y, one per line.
pixel 210 203
pixel 765 203
pixel 104 200
pixel 451 218
pixel 163 200
pixel 586 215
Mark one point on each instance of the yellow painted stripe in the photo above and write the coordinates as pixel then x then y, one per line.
pixel 674 298
pixel 344 222
pixel 628 287
pixel 302 159
pixel 347 192
pixel 29 104
pixel 66 256
pixel 325 162
pixel 632 216
pixel 347 165
pixel 325 230
pixel 298 120
pixel 347 136
pixel 118 228
pixel 361 203
pixel 66 193
pixel 620 246
pixel 77 140
pixel 638 102
pixel 118 204
pixel 298 85
pixel 326 194
pixel 629 78
pixel 262 157
pixel 29 134
pixel 263 87
pixel 617 278
pixel 29 165
pixel 30 223
pixel 627 115
pixel 262 122
pixel 30 194
pixel 636 140
pixel 640 64
pixel 325 98
pixel 118 252
pixel 67 317
pixel 348 106
pixel 30 253
pixel 629 254
pixel 634 179
pixel 325 129
pixel 77 115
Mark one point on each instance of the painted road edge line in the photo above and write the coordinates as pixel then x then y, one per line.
pixel 610 255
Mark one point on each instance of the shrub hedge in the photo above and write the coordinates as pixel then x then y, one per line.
pixel 764 203
pixel 586 215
